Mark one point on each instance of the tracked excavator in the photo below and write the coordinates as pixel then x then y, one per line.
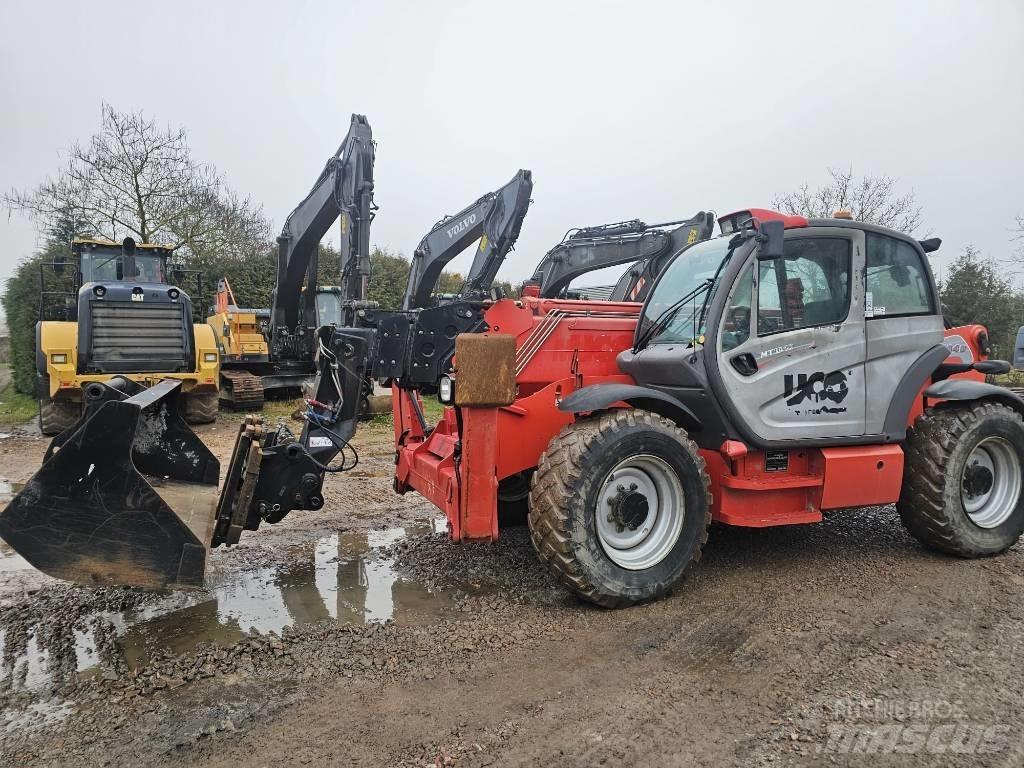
pixel 273 350
pixel 783 370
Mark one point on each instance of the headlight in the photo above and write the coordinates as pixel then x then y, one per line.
pixel 58 358
pixel 100 291
pixel 446 390
pixel 209 357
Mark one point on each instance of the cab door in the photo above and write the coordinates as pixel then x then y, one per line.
pixel 792 339
pixel 902 319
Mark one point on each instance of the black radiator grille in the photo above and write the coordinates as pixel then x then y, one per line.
pixel 136 336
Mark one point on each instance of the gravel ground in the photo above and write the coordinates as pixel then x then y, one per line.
pixel 355 636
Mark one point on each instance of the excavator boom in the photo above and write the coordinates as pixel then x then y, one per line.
pixel 494 220
pixel 344 190
pixel 628 242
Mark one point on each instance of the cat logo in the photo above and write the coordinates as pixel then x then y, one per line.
pixel 692 237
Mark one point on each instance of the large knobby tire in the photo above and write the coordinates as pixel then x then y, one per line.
pixel 605 511
pixel 57 415
pixel 962 479
pixel 202 408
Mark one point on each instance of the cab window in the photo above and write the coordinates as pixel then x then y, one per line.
pixel 896 281
pixel 736 322
pixel 808 286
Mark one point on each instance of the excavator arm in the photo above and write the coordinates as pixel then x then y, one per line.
pixel 628 242
pixel 343 190
pixel 494 220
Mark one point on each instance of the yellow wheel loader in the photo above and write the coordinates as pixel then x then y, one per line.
pixel 120 317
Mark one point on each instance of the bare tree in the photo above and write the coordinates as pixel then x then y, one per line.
pixel 1018 236
pixel 872 199
pixel 134 178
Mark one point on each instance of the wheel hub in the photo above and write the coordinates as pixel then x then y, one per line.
pixel 990 484
pixel 639 512
pixel 629 508
pixel 977 480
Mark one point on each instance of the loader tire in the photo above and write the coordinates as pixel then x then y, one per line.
pixel 591 517
pixel 202 408
pixel 962 479
pixel 57 415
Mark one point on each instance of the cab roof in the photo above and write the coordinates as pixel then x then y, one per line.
pixel 80 241
pixel 733 222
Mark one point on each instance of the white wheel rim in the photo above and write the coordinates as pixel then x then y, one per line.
pixel 990 483
pixel 640 511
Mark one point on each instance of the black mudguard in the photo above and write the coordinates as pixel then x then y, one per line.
pixel 597 397
pixel 967 389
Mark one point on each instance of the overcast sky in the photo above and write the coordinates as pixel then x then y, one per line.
pixel 621 110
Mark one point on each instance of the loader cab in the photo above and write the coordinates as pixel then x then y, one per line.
pixel 101 261
pixel 129 319
pixel 823 332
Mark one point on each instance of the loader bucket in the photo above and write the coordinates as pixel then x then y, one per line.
pixel 127 496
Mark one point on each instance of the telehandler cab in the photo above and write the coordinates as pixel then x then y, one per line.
pixel 783 369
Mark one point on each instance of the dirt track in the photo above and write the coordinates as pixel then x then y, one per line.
pixel 786 646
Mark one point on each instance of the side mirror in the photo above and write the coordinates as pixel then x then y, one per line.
pixel 1018 350
pixel 58 265
pixel 771 235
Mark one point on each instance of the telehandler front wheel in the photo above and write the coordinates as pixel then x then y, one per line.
pixel 620 507
pixel 963 479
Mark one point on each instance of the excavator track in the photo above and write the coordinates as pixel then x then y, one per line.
pixel 241 390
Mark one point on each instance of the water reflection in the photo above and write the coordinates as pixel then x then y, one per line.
pixel 341 577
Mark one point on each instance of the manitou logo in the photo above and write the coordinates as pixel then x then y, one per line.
pixel 461 226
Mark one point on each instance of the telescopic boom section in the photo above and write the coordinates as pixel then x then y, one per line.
pixel 494 220
pixel 344 190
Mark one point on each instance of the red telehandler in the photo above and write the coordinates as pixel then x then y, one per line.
pixel 783 369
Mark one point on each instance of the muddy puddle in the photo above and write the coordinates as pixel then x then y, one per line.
pixel 10 561
pixel 340 577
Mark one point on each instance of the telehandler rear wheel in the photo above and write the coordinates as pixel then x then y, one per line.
pixel 963 479
pixel 620 507
pixel 202 408
pixel 57 415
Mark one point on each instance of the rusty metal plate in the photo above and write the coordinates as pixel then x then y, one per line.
pixel 485 369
